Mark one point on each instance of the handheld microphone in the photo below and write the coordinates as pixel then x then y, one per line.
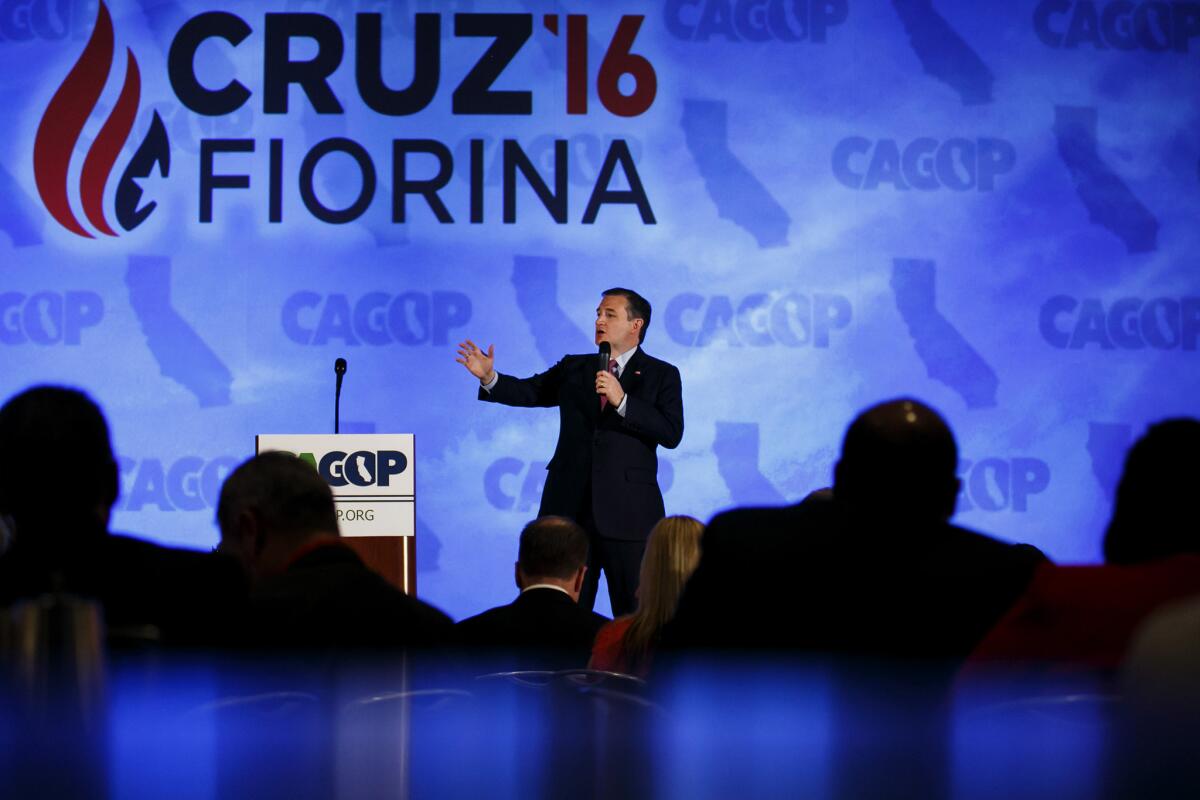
pixel 339 368
pixel 603 357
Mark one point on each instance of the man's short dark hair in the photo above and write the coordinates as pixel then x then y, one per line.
pixel 552 547
pixel 287 494
pixel 636 307
pixel 50 432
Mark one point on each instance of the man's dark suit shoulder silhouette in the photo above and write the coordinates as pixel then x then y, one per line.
pixel 544 627
pixel 328 598
pixel 310 590
pixel 872 579
pixel 61 542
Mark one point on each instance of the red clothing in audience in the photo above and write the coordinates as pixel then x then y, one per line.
pixel 1076 620
pixel 608 651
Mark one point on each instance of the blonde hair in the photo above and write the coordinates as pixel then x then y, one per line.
pixel 672 553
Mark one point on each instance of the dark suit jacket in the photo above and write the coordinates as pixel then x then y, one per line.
pixel 327 599
pixel 612 457
pixel 185 597
pixel 542 629
pixel 802 578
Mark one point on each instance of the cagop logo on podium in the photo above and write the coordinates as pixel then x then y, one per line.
pixel 371 476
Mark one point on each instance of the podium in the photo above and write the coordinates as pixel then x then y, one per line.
pixel 374 492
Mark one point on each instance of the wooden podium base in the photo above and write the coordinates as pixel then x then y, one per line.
pixel 393 557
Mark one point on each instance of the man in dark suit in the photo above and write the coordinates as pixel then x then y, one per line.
pixel 545 627
pixel 873 581
pixel 604 473
pixel 310 590
pixel 875 570
pixel 58 484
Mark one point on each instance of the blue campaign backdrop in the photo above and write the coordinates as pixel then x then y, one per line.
pixel 989 206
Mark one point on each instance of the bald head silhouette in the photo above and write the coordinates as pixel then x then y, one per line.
pixel 899 462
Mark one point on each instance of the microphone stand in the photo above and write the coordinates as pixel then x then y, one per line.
pixel 339 368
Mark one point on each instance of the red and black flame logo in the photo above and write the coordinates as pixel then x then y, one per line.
pixel 62 125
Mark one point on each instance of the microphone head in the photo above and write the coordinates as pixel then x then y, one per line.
pixel 605 350
pixel 339 366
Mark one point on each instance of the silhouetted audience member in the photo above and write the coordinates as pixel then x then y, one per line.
pixel 58 484
pixel 672 552
pixel 545 627
pixel 309 589
pixel 1155 514
pixel 875 570
pixel 1072 627
pixel 872 581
